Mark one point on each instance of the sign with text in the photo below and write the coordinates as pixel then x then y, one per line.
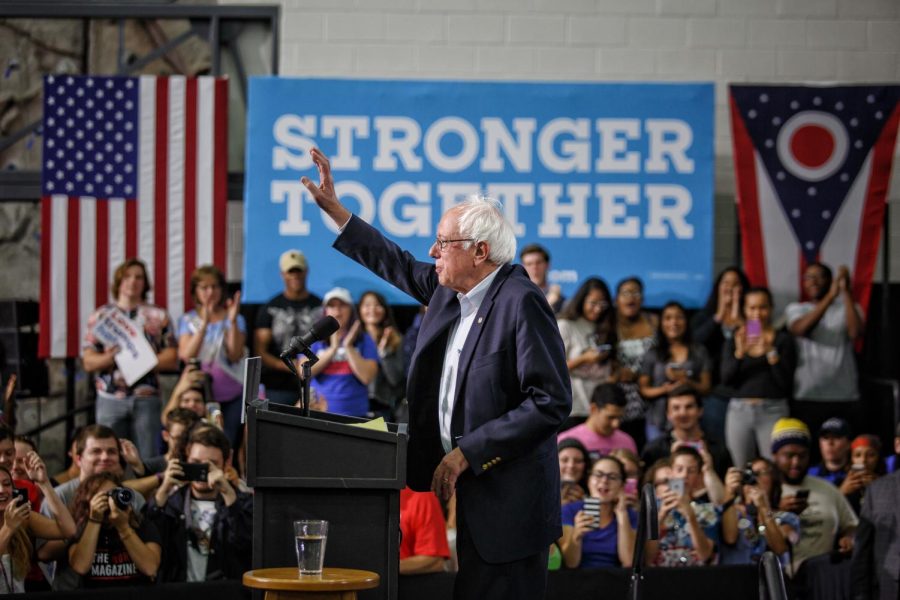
pixel 613 179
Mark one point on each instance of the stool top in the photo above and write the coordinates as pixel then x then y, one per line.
pixel 332 579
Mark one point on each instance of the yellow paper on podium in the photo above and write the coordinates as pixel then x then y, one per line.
pixel 375 424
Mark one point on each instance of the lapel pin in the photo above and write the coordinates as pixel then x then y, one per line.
pixel 480 319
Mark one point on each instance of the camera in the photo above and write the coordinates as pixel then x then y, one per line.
pixel 121 496
pixel 748 477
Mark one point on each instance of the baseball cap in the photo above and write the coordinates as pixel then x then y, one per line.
pixel 339 293
pixel 292 259
pixel 836 427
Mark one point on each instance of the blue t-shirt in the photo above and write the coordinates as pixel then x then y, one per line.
pixel 599 547
pixel 345 394
pixel 835 478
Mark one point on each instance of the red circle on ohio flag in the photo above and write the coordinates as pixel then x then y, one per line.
pixel 812 145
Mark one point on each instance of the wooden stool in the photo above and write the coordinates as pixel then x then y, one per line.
pixel 285 583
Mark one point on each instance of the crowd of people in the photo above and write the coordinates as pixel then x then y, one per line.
pixel 745 422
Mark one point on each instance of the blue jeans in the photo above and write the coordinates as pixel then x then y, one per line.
pixel 748 427
pixel 134 418
pixel 715 409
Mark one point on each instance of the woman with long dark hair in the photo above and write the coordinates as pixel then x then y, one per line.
pixel 114 546
pixel 636 330
pixel 675 363
pixel 588 329
pixel 388 388
pixel 711 326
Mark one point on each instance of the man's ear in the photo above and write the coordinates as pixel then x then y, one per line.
pixel 482 251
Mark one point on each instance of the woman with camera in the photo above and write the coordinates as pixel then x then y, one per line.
pixel 115 546
pixel 599 531
pixel 588 328
pixel 750 525
pixel 675 363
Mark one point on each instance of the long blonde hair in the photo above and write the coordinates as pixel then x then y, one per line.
pixel 20 546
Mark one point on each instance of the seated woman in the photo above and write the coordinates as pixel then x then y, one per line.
pixel 114 547
pixel 750 526
pixel 866 465
pixel 633 474
pixel 675 363
pixel 19 525
pixel 687 529
pixel 604 539
pixel 573 470
pixel 348 361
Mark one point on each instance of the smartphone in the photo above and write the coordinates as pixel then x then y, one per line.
pixel 20 493
pixel 696 445
pixel 676 484
pixel 857 467
pixel 754 329
pixel 802 494
pixel 631 486
pixel 592 508
pixel 195 471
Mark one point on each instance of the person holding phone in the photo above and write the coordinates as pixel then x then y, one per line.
pixel 758 364
pixel 676 363
pixel 827 520
pixel 599 531
pixel 866 465
pixel 19 525
pixel 751 521
pixel 587 327
pixel 688 529
pixel 205 522
pixel 574 461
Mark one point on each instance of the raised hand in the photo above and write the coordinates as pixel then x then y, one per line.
pixel 233 306
pixel 35 468
pixel 324 193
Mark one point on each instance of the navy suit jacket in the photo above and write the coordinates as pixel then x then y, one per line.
pixel 875 569
pixel 512 394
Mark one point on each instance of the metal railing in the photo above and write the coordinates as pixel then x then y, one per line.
pixel 771 578
pixel 647 529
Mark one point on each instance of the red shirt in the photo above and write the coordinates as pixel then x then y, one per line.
pixel 422 525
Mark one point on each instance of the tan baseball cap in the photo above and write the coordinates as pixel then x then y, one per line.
pixel 292 259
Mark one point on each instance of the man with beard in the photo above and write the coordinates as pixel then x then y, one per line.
pixel 825 515
pixel 825 328
pixel 290 313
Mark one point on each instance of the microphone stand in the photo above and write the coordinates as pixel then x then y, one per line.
pixel 304 378
pixel 647 529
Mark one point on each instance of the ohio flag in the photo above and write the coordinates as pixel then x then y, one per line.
pixel 813 164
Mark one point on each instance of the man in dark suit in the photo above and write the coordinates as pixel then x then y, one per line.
pixel 876 552
pixel 488 388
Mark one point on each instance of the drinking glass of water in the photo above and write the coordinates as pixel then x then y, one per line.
pixel 310 536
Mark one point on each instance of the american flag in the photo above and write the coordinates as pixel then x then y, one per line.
pixel 813 165
pixel 132 167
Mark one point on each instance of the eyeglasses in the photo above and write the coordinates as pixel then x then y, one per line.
pixel 611 477
pixel 630 294
pixel 592 304
pixel 442 244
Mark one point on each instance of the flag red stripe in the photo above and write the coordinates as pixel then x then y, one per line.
pixel 73 314
pixel 131 229
pixel 220 181
pixel 161 191
pixel 46 277
pixel 873 211
pixel 748 200
pixel 190 186
pixel 101 258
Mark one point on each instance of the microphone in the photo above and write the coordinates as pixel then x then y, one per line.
pixel 321 329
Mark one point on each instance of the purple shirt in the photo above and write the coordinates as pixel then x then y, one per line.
pixel 597 444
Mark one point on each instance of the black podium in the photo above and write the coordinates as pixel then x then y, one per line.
pixel 322 467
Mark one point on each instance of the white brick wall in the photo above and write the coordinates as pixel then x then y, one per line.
pixel 600 40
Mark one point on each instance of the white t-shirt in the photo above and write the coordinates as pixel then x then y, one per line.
pixel 203 512
pixel 827 517
pixel 826 368
pixel 576 339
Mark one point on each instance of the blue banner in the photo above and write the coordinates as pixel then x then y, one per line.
pixel 614 179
